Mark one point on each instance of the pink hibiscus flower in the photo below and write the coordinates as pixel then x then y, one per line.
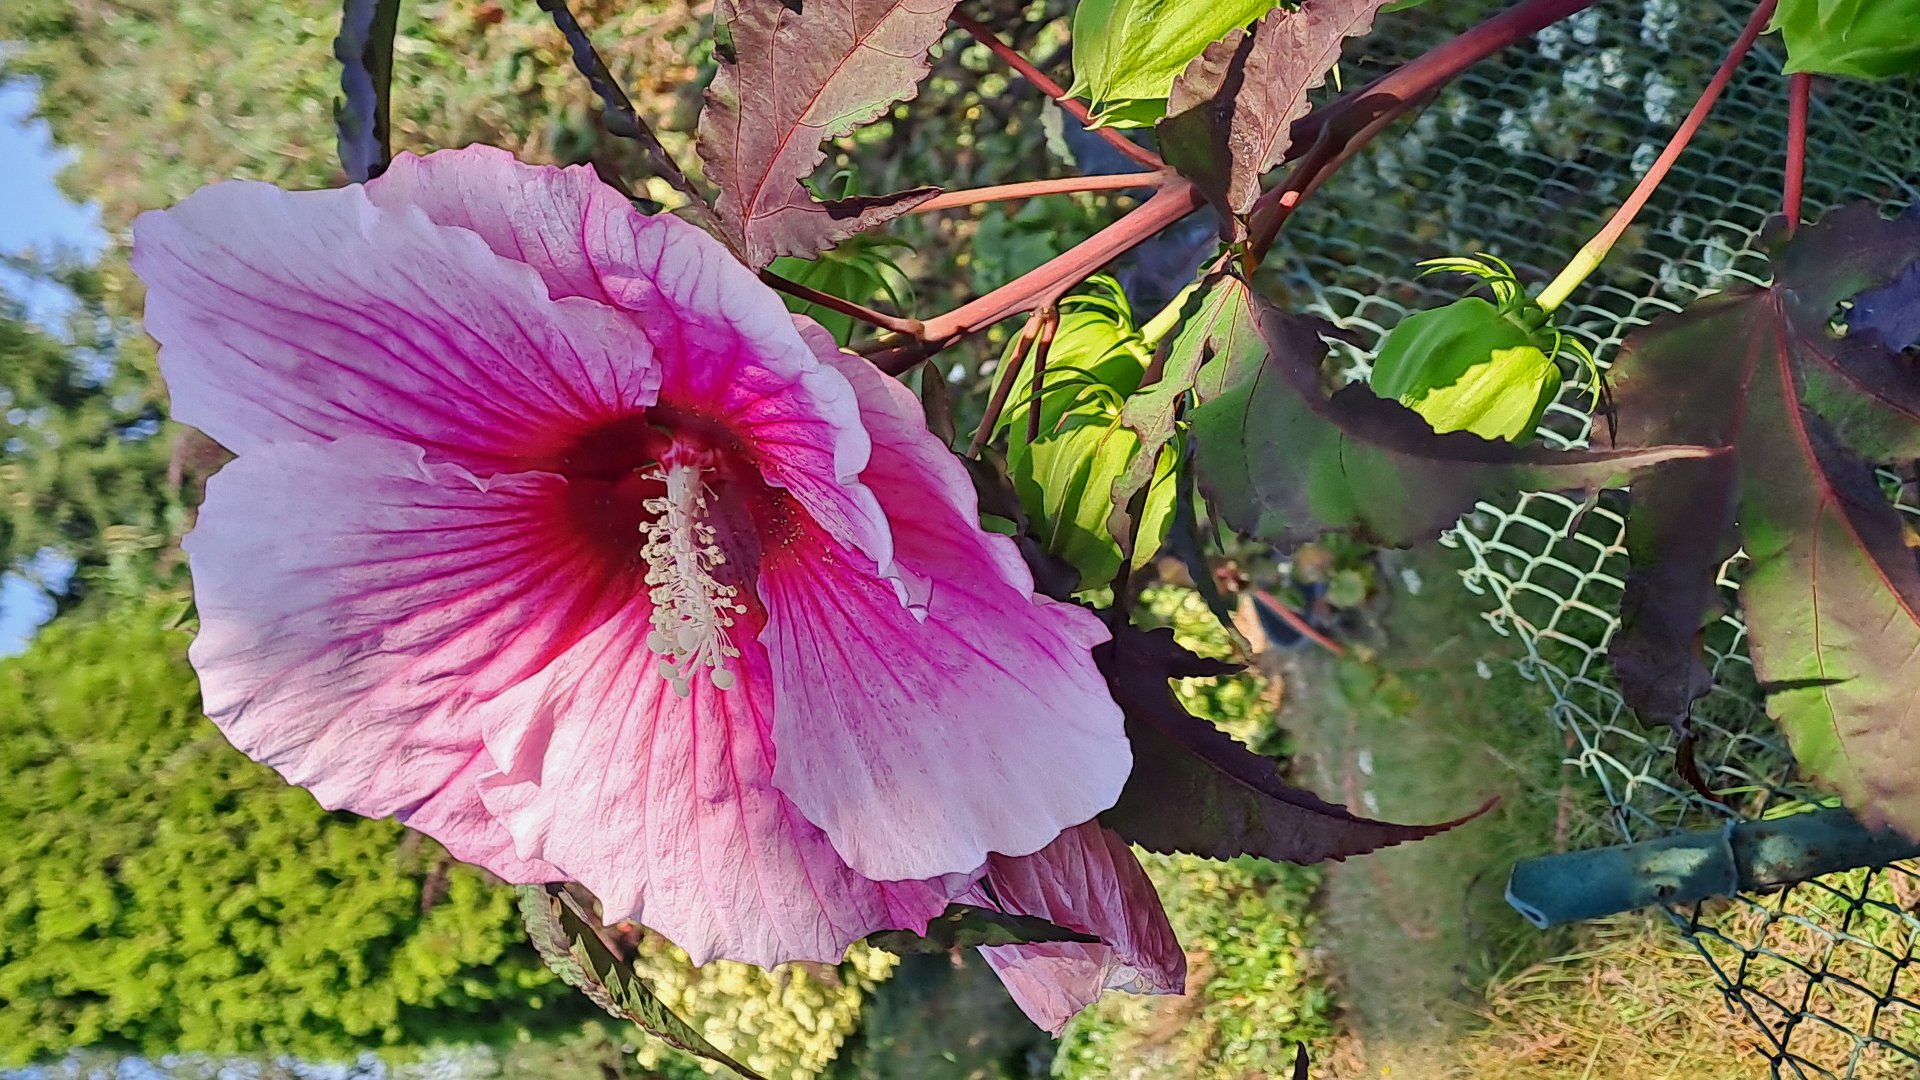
pixel 553 535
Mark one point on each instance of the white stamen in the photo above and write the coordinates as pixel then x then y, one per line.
pixel 691 610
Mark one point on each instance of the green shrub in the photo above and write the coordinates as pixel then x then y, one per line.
pixel 159 892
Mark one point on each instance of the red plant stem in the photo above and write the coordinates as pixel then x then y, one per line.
pixel 1321 161
pixel 1298 622
pixel 1171 203
pixel 1004 387
pixel 1588 258
pixel 1355 119
pixel 1027 189
pixel 1352 119
pixel 845 307
pixel 1799 97
pixel 1040 350
pixel 985 36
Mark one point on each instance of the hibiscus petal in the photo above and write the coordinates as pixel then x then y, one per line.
pixel 314 315
pixel 532 214
pixel 923 739
pixel 665 808
pixel 355 599
pixel 1087 880
pixel 725 343
pixel 468 830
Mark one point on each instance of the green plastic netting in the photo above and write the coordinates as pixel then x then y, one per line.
pixel 1524 159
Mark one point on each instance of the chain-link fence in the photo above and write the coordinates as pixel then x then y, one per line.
pixel 1524 159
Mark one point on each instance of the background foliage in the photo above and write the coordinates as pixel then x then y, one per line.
pixel 160 892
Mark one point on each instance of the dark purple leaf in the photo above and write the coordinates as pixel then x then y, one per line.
pixel 1231 111
pixel 791 76
pixel 964 926
pixel 365 51
pixel 1196 789
pixel 1832 595
pixel 1280 459
pixel 1891 312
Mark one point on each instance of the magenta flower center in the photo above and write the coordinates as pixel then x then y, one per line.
pixel 692 610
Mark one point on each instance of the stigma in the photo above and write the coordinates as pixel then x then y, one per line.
pixel 692 611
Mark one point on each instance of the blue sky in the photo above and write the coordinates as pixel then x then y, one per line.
pixel 33 214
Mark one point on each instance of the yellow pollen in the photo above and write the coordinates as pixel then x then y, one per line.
pixel 691 610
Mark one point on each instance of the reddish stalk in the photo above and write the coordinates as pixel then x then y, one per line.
pixel 1321 161
pixel 1299 623
pixel 1075 108
pixel 1799 97
pixel 1040 350
pixel 811 295
pixel 1027 189
pixel 1004 387
pixel 1341 128
pixel 1355 119
pixel 1589 257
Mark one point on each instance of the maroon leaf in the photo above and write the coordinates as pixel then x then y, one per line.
pixel 792 76
pixel 1832 596
pixel 1231 111
pixel 1280 459
pixel 1196 789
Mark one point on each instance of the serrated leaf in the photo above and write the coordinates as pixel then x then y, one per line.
pixel 1232 109
pixel 1832 593
pixel 1196 789
pixel 964 926
pixel 1127 53
pixel 792 76
pixel 1153 414
pixel 570 943
pixel 364 49
pixel 1066 477
pixel 1280 459
pixel 1865 39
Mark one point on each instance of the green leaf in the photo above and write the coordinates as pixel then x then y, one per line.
pixel 1126 53
pixel 569 941
pixel 1865 39
pixel 1468 367
pixel 1282 460
pixel 964 926
pixel 1832 592
pixel 1066 478
pixel 1154 413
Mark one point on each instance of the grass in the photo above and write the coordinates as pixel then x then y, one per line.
pixel 1814 965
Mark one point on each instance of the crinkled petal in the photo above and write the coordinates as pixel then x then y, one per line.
pixel 727 347
pixel 355 600
pixel 924 738
pixel 469 831
pixel 665 807
pixel 538 215
pixel 1087 880
pixel 315 315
